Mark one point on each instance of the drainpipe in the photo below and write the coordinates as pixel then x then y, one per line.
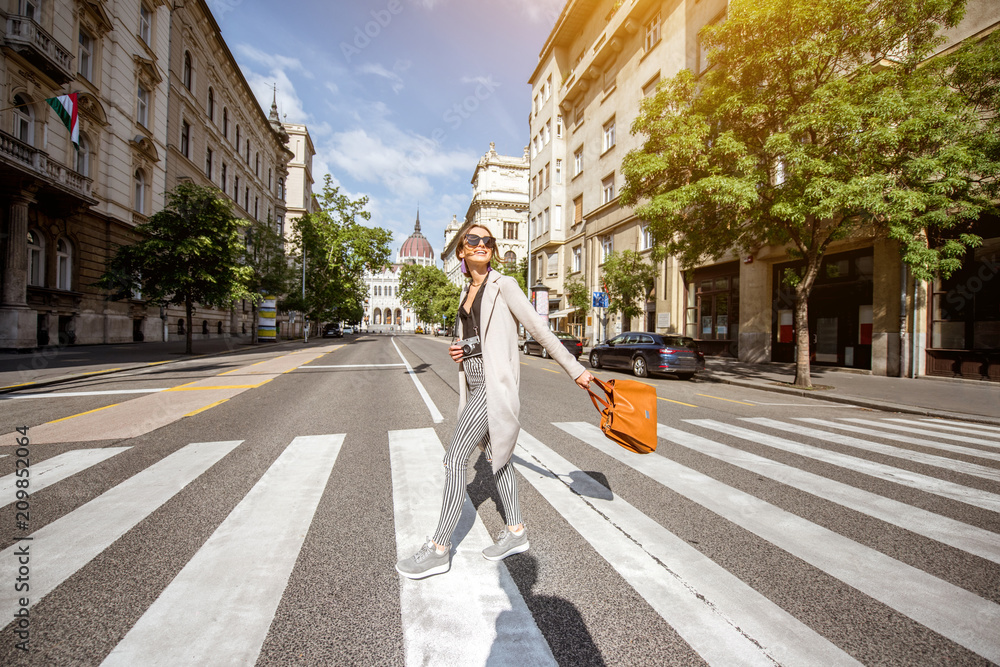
pixel 903 349
pixel 914 340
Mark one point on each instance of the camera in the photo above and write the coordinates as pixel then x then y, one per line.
pixel 468 345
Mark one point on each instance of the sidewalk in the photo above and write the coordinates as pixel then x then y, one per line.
pixel 968 400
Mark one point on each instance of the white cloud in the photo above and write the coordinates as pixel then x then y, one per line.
pixel 272 61
pixel 393 76
pixel 539 11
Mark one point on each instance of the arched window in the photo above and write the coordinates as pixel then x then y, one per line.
pixel 24 121
pixel 256 164
pixel 83 156
pixel 180 326
pixel 211 104
pixel 237 137
pixel 140 192
pixel 36 259
pixel 187 70
pixel 64 264
pixel 225 122
pixel 510 260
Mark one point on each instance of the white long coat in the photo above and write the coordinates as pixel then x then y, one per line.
pixel 503 306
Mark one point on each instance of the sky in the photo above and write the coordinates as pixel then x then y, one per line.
pixel 401 97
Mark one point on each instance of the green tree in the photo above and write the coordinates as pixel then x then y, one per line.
pixel 577 294
pixel 428 291
pixel 628 278
pixel 190 252
pixel 519 272
pixel 816 122
pixel 337 249
pixel 271 274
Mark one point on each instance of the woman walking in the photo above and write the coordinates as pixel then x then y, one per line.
pixel 489 376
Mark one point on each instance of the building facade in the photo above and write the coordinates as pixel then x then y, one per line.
pixel 385 312
pixel 499 203
pixel 600 60
pixel 298 194
pixel 64 208
pixel 160 101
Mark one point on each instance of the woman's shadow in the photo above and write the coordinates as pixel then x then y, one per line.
pixel 559 621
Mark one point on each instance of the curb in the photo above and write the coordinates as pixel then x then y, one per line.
pixel 882 406
pixel 69 378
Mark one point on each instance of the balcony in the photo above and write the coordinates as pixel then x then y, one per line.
pixel 19 159
pixel 39 48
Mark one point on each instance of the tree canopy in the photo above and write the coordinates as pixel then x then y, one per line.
pixel 190 252
pixel 628 277
pixel 820 120
pixel 428 291
pixel 338 249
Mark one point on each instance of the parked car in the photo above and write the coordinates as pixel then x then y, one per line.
pixel 418 330
pixel 332 331
pixel 645 352
pixel 348 330
pixel 572 344
pixel 440 331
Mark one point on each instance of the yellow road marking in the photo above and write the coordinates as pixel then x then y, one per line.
pixel 724 399
pixel 83 413
pixel 677 402
pixel 106 370
pixel 157 363
pixel 17 385
pixel 210 405
pixel 549 370
pixel 232 370
pixel 223 386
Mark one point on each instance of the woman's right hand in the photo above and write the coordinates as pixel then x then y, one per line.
pixel 456 352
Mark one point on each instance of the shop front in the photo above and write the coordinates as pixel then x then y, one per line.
pixel 713 308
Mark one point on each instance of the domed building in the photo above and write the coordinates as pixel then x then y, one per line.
pixel 384 311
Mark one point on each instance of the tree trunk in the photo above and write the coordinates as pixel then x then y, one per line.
pixel 188 313
pixel 253 323
pixel 802 292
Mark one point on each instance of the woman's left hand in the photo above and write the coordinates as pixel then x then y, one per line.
pixel 585 379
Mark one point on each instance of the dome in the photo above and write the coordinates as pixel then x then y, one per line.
pixel 416 246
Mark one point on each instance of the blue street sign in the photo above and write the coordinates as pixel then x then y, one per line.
pixel 600 300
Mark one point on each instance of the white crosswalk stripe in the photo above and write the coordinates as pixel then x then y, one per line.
pixel 220 605
pixel 965 427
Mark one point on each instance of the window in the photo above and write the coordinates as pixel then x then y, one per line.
pixel 211 104
pixel 225 122
pixel 552 268
pixel 510 260
pixel 608 189
pixel 256 165
pixel 248 152
pixel 24 127
pixel 652 33
pixel 185 139
pixel 281 188
pixel 268 178
pixel 142 107
pixel 703 62
pixel 510 230
pixel 545 220
pixel 29 8
pixel 545 175
pixel 647 237
pixel 140 191
pixel 237 137
pixel 223 179
pixel 546 133
pixel 83 157
pixel 246 199
pixel 607 247
pixel 186 75
pixel 609 77
pixel 145 23
pixel 650 87
pixel 578 161
pixel 609 135
pixel 236 189
pixel 64 264
pixel 558 174
pixel 557 217
pixel 547 90
pixel 577 259
pixel 578 210
pixel 208 162
pixel 36 259
pixel 85 56
pixel 256 208
pixel 559 127
pixel 578 113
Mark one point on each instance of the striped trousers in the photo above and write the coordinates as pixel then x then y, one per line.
pixel 472 429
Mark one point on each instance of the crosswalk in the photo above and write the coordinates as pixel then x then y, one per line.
pixel 218 608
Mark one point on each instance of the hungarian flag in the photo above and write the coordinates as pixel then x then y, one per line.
pixel 65 106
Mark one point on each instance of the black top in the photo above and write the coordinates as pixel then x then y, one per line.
pixel 470 320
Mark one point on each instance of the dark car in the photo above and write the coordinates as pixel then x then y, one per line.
pixel 572 344
pixel 333 331
pixel 645 352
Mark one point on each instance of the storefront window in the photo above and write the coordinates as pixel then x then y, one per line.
pixel 965 308
pixel 713 303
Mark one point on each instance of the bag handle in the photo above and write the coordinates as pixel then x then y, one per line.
pixel 594 398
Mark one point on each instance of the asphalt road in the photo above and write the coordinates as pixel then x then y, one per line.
pixel 249 509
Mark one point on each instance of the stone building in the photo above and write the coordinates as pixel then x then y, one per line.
pixel 298 195
pixel 599 61
pixel 63 208
pixel 499 203
pixel 384 310
pixel 160 100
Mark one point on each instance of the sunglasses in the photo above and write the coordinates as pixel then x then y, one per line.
pixel 472 240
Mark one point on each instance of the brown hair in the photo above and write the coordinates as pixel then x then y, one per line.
pixel 461 242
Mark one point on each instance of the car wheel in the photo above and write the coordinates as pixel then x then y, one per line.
pixel 639 367
pixel 545 353
pixel 595 360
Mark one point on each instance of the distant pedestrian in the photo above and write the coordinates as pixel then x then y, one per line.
pixel 489 374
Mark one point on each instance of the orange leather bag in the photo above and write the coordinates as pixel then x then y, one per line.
pixel 629 415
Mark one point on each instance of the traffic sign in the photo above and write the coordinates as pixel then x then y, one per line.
pixel 600 300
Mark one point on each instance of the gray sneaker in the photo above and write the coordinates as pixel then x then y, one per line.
pixel 425 562
pixel 507 543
